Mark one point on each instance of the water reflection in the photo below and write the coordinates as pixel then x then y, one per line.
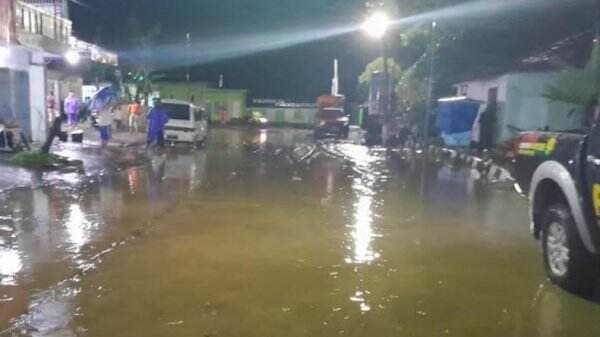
pixel 262 137
pixel 363 188
pixel 362 232
pixel 10 265
pixel 78 227
pixel 134 179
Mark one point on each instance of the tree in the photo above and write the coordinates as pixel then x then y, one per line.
pixel 411 94
pixel 580 87
pixel 377 66
pixel 409 85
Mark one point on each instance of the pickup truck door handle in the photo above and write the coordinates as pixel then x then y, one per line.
pixel 593 160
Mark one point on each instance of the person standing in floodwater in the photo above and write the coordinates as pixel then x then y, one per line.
pixel 105 120
pixel 72 106
pixel 51 106
pixel 134 111
pixel 157 119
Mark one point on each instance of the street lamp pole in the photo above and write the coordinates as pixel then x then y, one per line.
pixel 376 26
pixel 385 128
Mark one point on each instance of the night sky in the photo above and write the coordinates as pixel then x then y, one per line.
pixel 303 71
pixel 300 72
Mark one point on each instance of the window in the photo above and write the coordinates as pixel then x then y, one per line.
pixel 177 111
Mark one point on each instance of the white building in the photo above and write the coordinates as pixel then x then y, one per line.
pixel 519 103
pixel 34 37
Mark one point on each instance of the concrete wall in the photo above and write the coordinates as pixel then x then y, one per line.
pixel 62 85
pixel 233 101
pixel 213 100
pixel 289 116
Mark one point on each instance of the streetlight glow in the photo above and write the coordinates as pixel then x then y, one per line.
pixel 72 57
pixel 376 25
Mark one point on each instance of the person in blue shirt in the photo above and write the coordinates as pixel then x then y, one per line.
pixel 157 119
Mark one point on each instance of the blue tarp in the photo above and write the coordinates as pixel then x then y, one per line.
pixel 455 120
pixel 101 98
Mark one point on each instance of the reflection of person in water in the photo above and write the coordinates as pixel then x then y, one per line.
pixel 155 177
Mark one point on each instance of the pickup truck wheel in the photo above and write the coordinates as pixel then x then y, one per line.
pixel 567 261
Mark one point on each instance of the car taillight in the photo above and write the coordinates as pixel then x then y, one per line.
pixel 523 138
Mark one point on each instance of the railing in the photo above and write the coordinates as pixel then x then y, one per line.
pixel 94 52
pixel 34 20
pixel 55 7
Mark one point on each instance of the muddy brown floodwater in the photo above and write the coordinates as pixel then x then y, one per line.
pixel 267 233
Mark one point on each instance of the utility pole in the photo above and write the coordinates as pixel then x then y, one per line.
pixel 189 59
pixel 189 63
pixel 335 82
pixel 429 103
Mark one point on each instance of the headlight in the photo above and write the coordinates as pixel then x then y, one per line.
pixel 343 119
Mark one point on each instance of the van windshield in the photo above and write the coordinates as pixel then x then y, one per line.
pixel 177 111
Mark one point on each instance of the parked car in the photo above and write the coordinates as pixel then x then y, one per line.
pixel 560 171
pixel 331 122
pixel 187 122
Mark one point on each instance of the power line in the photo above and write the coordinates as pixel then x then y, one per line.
pixel 77 2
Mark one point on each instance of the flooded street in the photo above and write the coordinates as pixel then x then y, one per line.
pixel 267 233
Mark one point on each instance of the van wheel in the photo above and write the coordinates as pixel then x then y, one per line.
pixel 567 261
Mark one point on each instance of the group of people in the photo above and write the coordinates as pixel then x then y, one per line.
pixel 71 107
pixel 156 118
pixel 110 114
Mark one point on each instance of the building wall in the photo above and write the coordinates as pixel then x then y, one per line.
pixel 37 99
pixel 15 86
pixel 528 108
pixel 232 101
pixel 521 103
pixel 14 98
pixel 478 90
pixel 287 116
pixel 213 100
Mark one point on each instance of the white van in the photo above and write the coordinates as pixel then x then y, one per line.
pixel 187 122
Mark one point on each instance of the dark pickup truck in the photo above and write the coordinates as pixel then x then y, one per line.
pixel 560 172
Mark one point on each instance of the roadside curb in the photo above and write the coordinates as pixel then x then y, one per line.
pixel 488 169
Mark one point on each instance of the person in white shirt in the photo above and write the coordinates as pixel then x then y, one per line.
pixel 105 119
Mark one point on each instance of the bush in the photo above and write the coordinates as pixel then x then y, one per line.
pixel 35 159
